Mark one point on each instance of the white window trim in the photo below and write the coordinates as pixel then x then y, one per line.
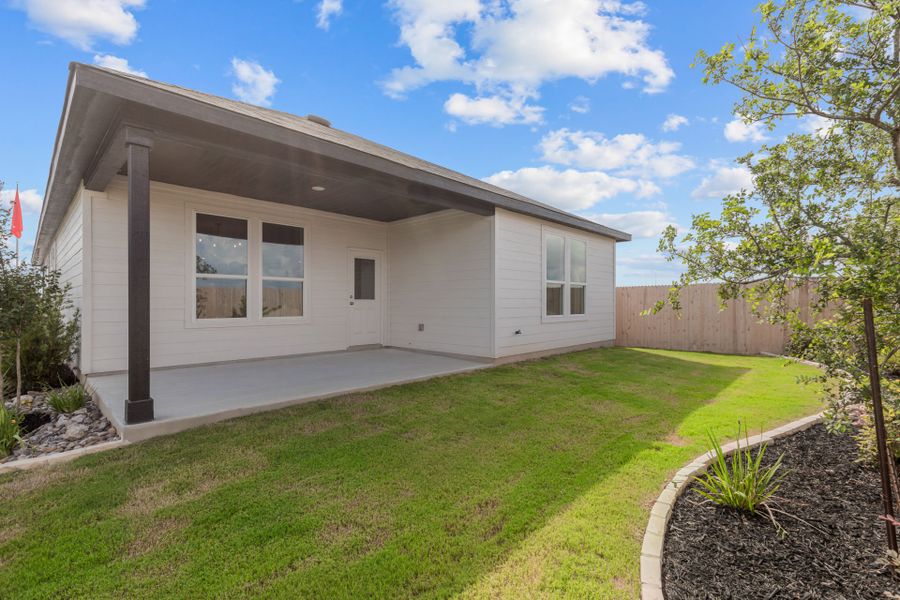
pixel 254 270
pixel 282 320
pixel 567 282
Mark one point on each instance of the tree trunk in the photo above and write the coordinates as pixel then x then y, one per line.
pixel 18 373
pixel 895 142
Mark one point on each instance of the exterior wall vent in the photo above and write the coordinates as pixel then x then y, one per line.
pixel 319 120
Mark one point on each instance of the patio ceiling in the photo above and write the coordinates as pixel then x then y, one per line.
pixel 216 144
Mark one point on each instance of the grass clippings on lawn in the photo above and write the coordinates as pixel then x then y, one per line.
pixel 531 479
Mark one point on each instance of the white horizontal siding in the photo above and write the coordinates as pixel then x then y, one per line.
pixel 66 253
pixel 173 340
pixel 440 276
pixel 520 288
pixel 471 280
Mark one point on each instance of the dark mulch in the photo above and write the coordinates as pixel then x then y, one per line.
pixel 711 552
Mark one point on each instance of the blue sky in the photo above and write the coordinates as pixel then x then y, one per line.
pixel 590 105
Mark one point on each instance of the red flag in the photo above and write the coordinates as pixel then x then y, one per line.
pixel 17 216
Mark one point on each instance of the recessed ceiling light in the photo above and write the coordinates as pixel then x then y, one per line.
pixel 317 188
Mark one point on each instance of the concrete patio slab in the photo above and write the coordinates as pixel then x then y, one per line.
pixel 186 397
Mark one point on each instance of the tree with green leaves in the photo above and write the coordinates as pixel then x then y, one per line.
pixel 824 210
pixel 38 326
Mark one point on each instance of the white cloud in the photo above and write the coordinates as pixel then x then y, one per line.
pixel 635 266
pixel 580 105
pixel 326 10
pixel 723 181
pixel 673 122
pixel 26 246
pixel 117 64
pixel 569 190
pixel 31 199
pixel 821 126
pixel 641 259
pixel 631 154
pixel 639 223
pixel 739 130
pixel 493 110
pixel 511 48
pixel 82 22
pixel 254 84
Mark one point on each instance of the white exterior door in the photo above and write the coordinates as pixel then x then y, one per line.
pixel 365 297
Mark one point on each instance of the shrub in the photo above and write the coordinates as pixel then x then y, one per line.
pixel 740 481
pixel 67 399
pixel 49 334
pixel 9 431
pixel 866 440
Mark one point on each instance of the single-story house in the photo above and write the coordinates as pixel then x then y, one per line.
pixel 195 229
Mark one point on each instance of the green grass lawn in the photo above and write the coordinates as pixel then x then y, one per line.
pixel 527 480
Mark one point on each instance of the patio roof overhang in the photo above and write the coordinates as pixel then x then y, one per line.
pixel 221 145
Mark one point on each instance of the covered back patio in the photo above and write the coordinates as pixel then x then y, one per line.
pixel 186 397
pixel 336 243
pixel 119 127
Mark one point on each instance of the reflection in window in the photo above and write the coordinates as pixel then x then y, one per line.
pixel 282 270
pixel 221 298
pixel 556 258
pixel 364 278
pixel 554 299
pixel 282 298
pixel 221 267
pixel 565 276
pixel 578 260
pixel 576 300
pixel 282 250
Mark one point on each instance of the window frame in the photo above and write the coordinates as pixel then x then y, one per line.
pixel 194 275
pixel 567 283
pixel 254 268
pixel 262 277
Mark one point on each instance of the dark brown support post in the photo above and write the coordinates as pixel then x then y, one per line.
pixel 139 404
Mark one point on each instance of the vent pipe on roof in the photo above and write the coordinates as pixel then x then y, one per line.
pixel 320 120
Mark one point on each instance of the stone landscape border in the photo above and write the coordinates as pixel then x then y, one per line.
pixel 655 534
pixel 46 460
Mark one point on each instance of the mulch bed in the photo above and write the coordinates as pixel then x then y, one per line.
pixel 711 552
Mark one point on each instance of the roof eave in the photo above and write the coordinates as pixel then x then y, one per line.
pixel 51 171
pixel 213 112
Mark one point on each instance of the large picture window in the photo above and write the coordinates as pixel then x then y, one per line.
pixel 565 276
pixel 220 273
pixel 282 271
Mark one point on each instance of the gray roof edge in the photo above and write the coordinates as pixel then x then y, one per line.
pixel 498 197
pixel 51 169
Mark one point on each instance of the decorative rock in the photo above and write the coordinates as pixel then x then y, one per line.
pixel 83 428
pixel 75 431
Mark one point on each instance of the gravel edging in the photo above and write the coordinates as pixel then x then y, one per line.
pixel 655 534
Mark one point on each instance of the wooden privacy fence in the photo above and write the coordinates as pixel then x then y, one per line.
pixel 702 325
